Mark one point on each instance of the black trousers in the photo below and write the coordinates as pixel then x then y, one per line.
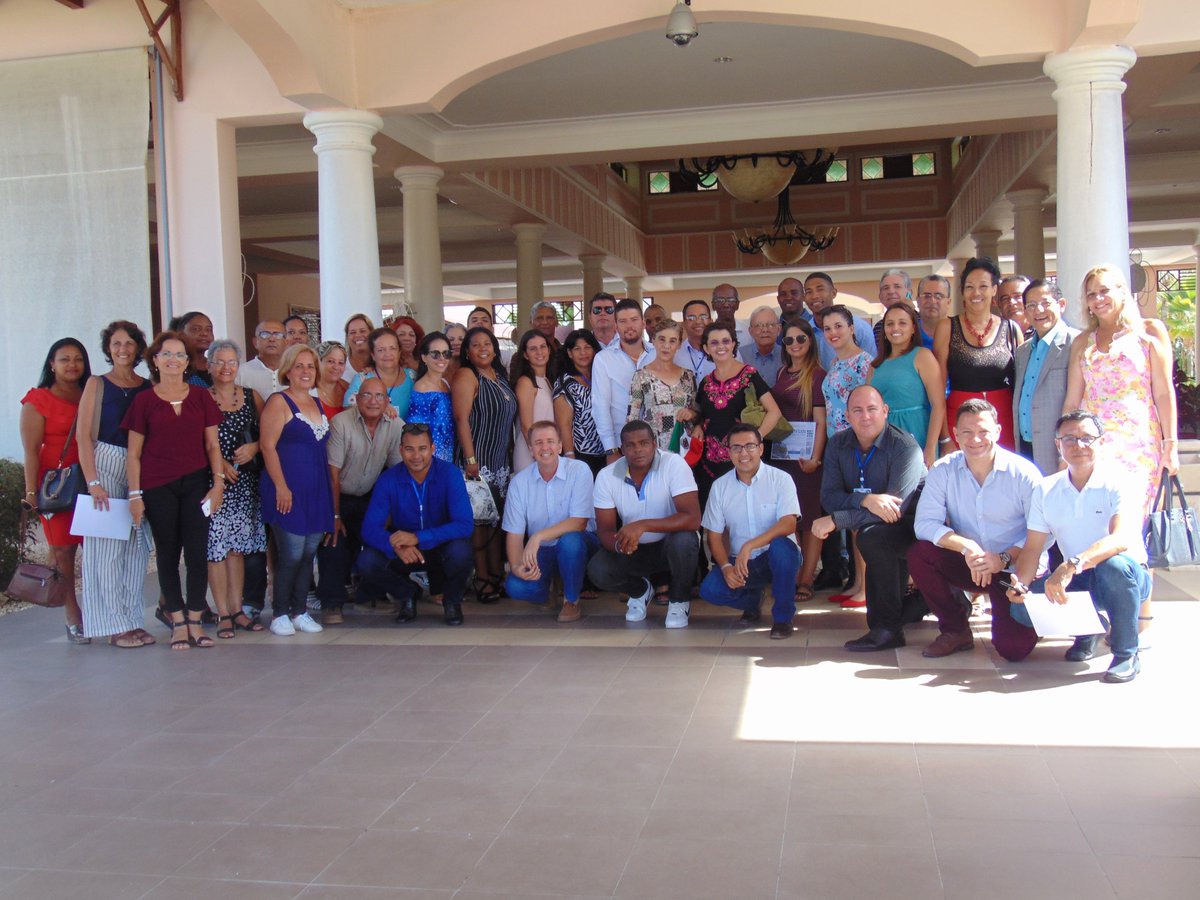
pixel 884 547
pixel 335 562
pixel 676 553
pixel 180 526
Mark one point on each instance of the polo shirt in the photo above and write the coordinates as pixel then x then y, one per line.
pixel 255 375
pixel 360 456
pixel 533 503
pixel 749 510
pixel 1076 519
pixel 668 478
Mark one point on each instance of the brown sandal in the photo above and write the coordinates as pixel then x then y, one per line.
pixel 127 640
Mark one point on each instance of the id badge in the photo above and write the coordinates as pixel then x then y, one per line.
pixel 862 490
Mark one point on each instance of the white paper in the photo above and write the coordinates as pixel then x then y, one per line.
pixel 115 522
pixel 797 445
pixel 1076 616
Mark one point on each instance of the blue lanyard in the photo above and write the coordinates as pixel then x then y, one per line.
pixel 421 499
pixel 862 465
pixel 692 358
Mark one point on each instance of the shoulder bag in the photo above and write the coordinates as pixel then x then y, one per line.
pixel 754 413
pixel 61 485
pixel 1172 538
pixel 35 583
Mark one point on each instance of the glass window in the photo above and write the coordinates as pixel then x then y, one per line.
pixel 708 182
pixel 871 167
pixel 839 170
pixel 923 164
pixel 660 182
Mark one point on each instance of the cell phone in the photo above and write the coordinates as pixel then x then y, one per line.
pixel 206 508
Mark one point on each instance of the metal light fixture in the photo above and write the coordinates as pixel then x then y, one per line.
pixel 681 24
pixel 752 177
pixel 786 243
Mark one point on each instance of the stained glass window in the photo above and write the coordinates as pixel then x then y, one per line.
pixel 923 164
pixel 660 182
pixel 708 182
pixel 838 170
pixel 871 167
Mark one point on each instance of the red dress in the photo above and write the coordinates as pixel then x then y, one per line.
pixel 59 414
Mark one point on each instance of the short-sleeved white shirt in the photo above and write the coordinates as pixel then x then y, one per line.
pixel 1077 519
pixel 749 510
pixel 532 503
pixel 668 478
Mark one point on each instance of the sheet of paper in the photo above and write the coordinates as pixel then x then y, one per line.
pixel 798 444
pixel 115 522
pixel 1076 616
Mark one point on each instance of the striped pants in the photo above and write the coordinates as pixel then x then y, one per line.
pixel 114 572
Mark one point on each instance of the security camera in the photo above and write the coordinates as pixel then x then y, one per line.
pixel 681 24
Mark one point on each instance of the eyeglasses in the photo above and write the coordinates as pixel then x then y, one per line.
pixel 439 354
pixel 163 354
pixel 265 335
pixel 743 448
pixel 1083 440
pixel 765 326
pixel 725 299
pixel 934 296
pixel 603 310
pixel 371 395
pixel 720 342
pixel 1045 303
pixel 796 339
pixel 224 363
pixel 698 317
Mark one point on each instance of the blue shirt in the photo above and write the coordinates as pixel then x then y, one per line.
pixel 1033 370
pixel 993 514
pixel 688 357
pixel 749 510
pixel 864 336
pixel 767 365
pixel 436 511
pixel 534 504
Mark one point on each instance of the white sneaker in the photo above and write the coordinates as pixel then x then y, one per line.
pixel 636 611
pixel 282 626
pixel 306 623
pixel 677 615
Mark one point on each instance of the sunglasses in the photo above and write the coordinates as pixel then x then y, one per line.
pixel 603 310
pixel 439 354
pixel 798 339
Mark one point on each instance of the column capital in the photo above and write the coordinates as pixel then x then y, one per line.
pixel 1103 67
pixel 593 260
pixel 529 232
pixel 343 129
pixel 418 176
pixel 1027 198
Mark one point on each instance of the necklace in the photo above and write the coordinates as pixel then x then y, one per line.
pixel 980 336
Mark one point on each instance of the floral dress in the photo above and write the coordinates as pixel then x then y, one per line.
pixel 844 375
pixel 654 401
pixel 237 526
pixel 1117 390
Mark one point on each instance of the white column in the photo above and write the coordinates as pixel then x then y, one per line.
pixel 1028 234
pixel 1093 213
pixel 422 244
pixel 1196 345
pixel 633 287
pixel 987 243
pixel 349 236
pixel 593 275
pixel 530 288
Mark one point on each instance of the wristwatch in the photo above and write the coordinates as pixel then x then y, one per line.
pixel 1005 558
pixel 1076 563
pixel 471 461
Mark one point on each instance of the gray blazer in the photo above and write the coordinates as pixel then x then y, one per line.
pixel 1048 397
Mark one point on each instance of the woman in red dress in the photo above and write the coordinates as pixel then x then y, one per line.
pixel 47 413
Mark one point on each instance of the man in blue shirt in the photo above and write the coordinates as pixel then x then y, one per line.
pixel 419 519
pixel 763 351
pixel 819 294
pixel 970 530
pixel 1041 374
pixel 546 516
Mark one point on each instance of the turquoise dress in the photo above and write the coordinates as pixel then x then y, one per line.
pixel 433 408
pixel 902 389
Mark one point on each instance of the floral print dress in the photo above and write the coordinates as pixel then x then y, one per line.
pixel 654 401
pixel 844 375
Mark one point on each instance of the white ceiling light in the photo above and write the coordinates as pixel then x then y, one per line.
pixel 681 24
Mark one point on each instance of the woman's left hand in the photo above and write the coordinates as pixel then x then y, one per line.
pixel 1171 460
pixel 685 415
pixel 390 412
pixel 214 496
pixel 245 453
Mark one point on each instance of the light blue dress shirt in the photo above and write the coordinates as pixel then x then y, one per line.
pixel 749 510
pixel 768 365
pixel 864 336
pixel 533 503
pixel 1033 370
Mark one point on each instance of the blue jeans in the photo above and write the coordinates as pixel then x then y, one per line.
pixel 777 567
pixel 449 564
pixel 568 558
pixel 293 571
pixel 1118 586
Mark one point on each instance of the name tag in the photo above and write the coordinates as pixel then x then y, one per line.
pixel 862 490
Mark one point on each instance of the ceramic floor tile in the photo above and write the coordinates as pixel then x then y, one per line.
pixel 983 874
pixel 700 870
pixel 413 859
pixel 1152 877
pixel 271 853
pixel 538 863
pixel 78 886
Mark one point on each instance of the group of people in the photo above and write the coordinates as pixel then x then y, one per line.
pixel 597 458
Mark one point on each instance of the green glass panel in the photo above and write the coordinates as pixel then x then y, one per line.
pixel 708 182
pixel 660 183
pixel 838 171
pixel 923 164
pixel 872 167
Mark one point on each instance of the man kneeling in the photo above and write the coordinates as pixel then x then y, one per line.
pixel 419 519
pixel 1097 525
pixel 751 515
pixel 551 502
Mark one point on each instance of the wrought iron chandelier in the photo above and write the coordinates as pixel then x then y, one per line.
pixel 786 243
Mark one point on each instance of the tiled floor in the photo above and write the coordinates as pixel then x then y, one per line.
pixel 516 758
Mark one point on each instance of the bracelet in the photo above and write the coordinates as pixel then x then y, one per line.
pixel 133 494
pixel 727 565
pixel 944 440
pixel 335 518
pixel 31 493
pixel 570 453
pixel 472 461
pixel 93 484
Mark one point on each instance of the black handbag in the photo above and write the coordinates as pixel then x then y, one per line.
pixel 61 485
pixel 250 435
pixel 1172 538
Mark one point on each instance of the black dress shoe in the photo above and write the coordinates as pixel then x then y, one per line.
pixel 876 639
pixel 1083 649
pixel 829 578
pixel 750 616
pixel 408 610
pixel 781 630
pixel 452 613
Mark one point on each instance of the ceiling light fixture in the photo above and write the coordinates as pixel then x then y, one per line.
pixel 752 177
pixel 681 24
pixel 786 243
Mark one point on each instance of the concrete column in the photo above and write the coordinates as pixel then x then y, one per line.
pixel 349 237
pixel 530 289
pixel 1028 234
pixel 1093 212
pixel 1195 369
pixel 422 244
pixel 633 287
pixel 987 243
pixel 958 263
pixel 593 275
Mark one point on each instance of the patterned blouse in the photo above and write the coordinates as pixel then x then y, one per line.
pixel 578 392
pixel 654 401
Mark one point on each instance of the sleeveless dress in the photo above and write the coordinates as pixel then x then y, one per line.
pixel 301 449
pixel 654 401
pixel 237 526
pixel 898 381
pixel 985 373
pixel 1117 390
pixel 808 484
pixel 491 421
pixel 844 375
pixel 433 408
pixel 59 414
pixel 543 410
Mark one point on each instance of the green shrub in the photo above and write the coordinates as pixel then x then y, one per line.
pixel 13 544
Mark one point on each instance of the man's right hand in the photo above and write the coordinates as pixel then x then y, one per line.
pixel 885 506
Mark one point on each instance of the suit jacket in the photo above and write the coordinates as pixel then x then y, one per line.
pixel 1048 397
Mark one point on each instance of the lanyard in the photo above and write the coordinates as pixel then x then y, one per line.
pixel 692 358
pixel 421 499
pixel 862 465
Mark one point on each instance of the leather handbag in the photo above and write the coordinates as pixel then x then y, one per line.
pixel 62 484
pixel 33 582
pixel 1172 537
pixel 753 413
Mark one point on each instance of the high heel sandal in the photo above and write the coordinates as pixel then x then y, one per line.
pixel 203 641
pixel 224 632
pixel 487 590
